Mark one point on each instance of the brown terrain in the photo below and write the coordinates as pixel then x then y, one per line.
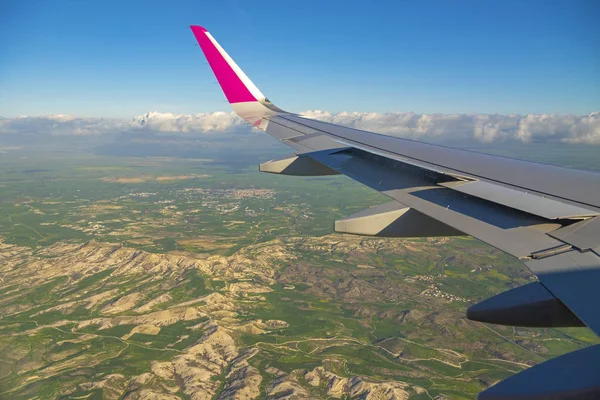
pixel 70 311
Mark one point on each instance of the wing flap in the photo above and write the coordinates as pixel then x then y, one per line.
pixel 509 230
pixel 528 202
pixel 584 235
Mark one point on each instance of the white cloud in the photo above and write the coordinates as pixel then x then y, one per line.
pixel 202 122
pixel 57 125
pixel 60 124
pixel 481 127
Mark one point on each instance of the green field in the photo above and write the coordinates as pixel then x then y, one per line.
pixel 182 274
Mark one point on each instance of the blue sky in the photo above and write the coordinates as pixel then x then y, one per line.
pixel 124 58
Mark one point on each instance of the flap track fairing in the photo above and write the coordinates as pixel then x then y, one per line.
pixel 530 305
pixel 393 219
pixel 296 165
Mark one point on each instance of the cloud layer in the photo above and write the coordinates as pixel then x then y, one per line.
pixel 152 122
pixel 482 127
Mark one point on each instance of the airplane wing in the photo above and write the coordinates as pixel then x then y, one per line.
pixel 547 216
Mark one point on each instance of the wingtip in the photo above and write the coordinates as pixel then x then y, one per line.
pixel 236 85
pixel 198 28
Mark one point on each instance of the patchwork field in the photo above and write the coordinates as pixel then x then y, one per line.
pixel 171 276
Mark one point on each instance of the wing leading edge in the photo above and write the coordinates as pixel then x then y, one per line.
pixel 547 216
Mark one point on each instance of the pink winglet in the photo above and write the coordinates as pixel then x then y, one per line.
pixel 232 85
